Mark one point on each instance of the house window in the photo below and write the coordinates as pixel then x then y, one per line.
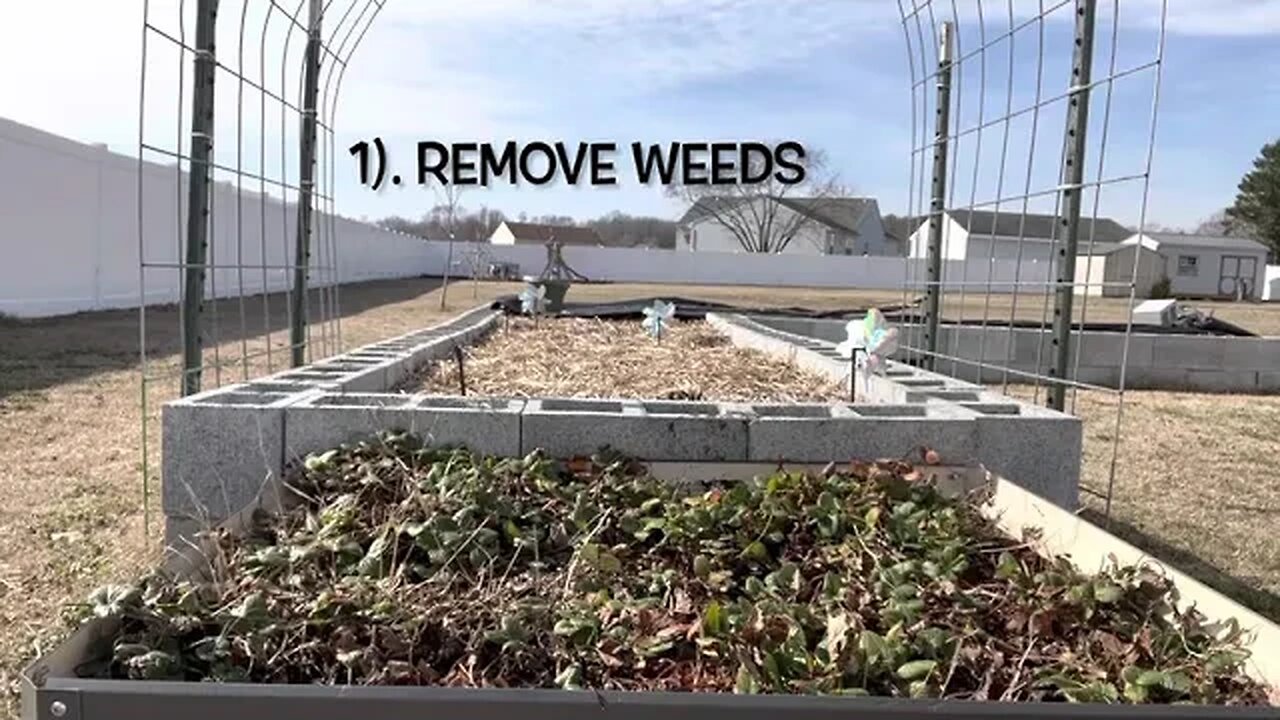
pixel 1188 265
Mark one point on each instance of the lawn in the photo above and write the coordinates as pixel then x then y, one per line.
pixel 1194 472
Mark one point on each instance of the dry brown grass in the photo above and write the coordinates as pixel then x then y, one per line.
pixel 71 511
pixel 1195 484
pixel 615 359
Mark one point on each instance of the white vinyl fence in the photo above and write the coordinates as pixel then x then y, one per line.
pixel 715 268
pixel 70 241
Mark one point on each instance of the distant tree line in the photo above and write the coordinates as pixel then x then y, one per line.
pixel 616 229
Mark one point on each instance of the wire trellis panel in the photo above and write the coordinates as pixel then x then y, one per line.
pixel 237 232
pixel 1033 125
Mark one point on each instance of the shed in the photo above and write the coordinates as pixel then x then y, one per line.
pixel 1205 266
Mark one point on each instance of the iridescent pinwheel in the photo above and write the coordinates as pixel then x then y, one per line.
pixel 870 343
pixel 532 299
pixel 657 317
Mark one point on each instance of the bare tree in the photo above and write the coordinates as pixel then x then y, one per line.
pixel 450 195
pixel 767 217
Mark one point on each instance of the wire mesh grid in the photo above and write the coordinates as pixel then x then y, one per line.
pixel 1033 132
pixel 237 233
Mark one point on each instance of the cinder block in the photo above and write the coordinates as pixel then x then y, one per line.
pixel 1038 449
pixel 1269 381
pixel 219 449
pixel 1261 354
pixel 1192 351
pixel 489 426
pixel 654 431
pixel 819 434
pixel 1107 349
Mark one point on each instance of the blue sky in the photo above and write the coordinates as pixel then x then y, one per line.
pixel 830 73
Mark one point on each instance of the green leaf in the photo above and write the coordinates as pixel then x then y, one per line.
pixel 745 683
pixel 1108 592
pixel 756 551
pixel 1151 678
pixel 873 517
pixel 609 563
pixel 917 669
pixel 713 620
pixel 570 678
pixel 873 646
pixel 1008 567
pixel 702 567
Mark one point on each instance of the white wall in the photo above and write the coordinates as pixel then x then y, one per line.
pixel 678 267
pixel 955 241
pixel 1209 270
pixel 70 241
pixel 1271 284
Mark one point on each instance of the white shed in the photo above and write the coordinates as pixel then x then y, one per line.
pixel 1204 266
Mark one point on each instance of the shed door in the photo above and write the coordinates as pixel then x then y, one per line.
pixel 1237 276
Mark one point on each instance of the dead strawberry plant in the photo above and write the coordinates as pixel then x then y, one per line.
pixel 406 565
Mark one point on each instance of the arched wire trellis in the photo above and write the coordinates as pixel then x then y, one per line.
pixel 981 134
pixel 245 150
pixel 1014 172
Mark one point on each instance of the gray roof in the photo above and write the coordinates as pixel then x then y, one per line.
pixel 1207 241
pixel 841 213
pixel 1037 227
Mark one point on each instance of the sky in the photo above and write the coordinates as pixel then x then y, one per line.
pixel 835 75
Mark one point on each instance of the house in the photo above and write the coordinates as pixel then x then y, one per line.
pixel 1201 266
pixel 1010 235
pixel 518 233
pixel 823 226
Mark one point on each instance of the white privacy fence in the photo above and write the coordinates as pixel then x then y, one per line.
pixel 70 237
pixel 69 232
pixel 712 268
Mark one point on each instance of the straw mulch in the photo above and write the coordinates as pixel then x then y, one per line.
pixel 593 358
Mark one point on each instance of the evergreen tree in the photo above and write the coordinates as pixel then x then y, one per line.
pixel 1257 206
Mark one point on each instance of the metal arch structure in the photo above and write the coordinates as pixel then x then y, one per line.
pixel 281 251
pixel 1042 101
pixel 332 30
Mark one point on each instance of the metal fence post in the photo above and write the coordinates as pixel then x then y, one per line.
pixel 306 186
pixel 937 203
pixel 197 249
pixel 1072 197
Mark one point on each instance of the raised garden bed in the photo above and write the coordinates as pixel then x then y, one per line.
pixel 577 357
pixel 400 565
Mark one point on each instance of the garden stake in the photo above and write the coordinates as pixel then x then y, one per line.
pixel 853 376
pixel 462 377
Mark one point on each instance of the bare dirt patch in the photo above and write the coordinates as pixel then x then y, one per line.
pixel 577 357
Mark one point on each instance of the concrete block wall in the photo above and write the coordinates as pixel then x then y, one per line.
pixel 223 449
pixel 1198 363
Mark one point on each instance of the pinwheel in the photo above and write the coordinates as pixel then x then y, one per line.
pixel 657 317
pixel 874 339
pixel 532 298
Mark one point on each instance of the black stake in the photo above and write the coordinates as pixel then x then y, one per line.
pixel 853 375
pixel 462 376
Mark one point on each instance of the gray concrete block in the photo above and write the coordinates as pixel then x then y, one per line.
pixel 1259 354
pixel 1201 352
pixel 655 431
pixel 489 426
pixel 1037 449
pixel 219 449
pixel 819 434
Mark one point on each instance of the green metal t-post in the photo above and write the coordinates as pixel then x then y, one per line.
pixel 306 186
pixel 197 250
pixel 1072 196
pixel 938 195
